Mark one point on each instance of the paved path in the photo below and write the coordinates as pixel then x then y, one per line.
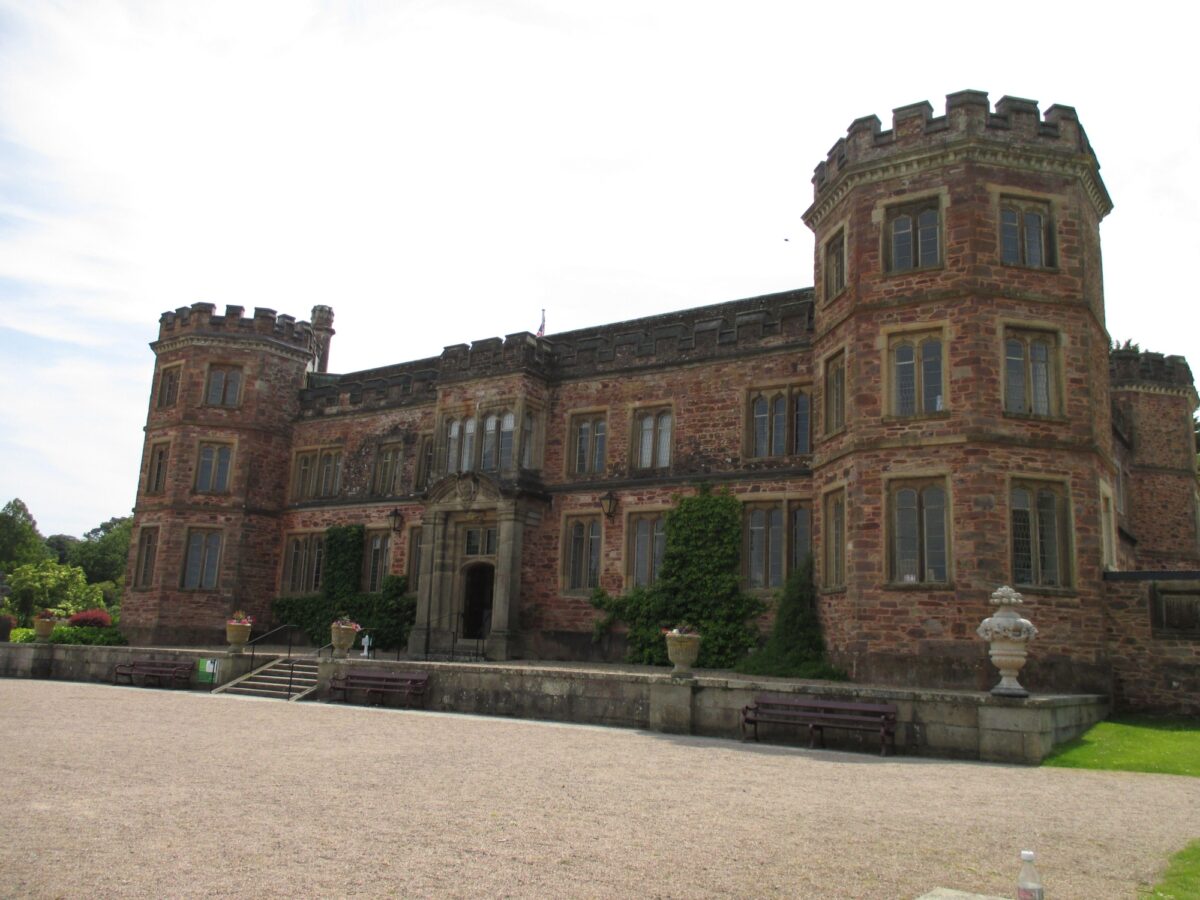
pixel 115 792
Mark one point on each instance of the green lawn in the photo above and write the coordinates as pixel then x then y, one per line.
pixel 1145 744
pixel 1135 744
pixel 1182 879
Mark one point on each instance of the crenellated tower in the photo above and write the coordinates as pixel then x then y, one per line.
pixel 963 436
pixel 214 468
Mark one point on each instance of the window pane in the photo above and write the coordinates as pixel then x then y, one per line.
pixel 583 440
pixel 507 426
pixel 1014 377
pixel 906 380
pixel 593 555
pixel 646 449
pixel 660 546
pixel 577 552
pixel 195 560
pixel 1022 537
pixel 935 533
pixel 1010 238
pixel 489 458
pixel 598 446
pixel 317 563
pixel 757 549
pixel 212 556
pixel 902 257
pixel 927 237
pixel 906 540
pixel 233 381
pixel 1047 522
pixel 775 547
pixel 204 473
pixel 216 387
pixel 1039 369
pixel 468 445
pixel 931 376
pixel 452 448
pixel 664 440
pixel 802 424
pixel 778 426
pixel 221 482
pixel 1033 239
pixel 760 426
pixel 527 441
pixel 472 543
pixel 801 535
pixel 641 553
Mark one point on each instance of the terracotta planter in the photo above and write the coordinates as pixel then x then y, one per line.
pixel 42 628
pixel 342 638
pixel 237 635
pixel 683 650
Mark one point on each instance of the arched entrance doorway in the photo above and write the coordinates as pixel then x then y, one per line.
pixel 477 601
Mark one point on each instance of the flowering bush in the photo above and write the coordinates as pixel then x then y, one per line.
pixel 682 628
pixel 346 622
pixel 95 618
pixel 240 618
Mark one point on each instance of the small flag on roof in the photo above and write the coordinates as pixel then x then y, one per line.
pixel 542 327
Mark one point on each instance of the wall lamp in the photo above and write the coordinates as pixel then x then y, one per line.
pixel 608 503
pixel 396 518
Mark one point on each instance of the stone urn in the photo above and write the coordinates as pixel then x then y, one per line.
pixel 683 651
pixel 237 633
pixel 43 628
pixel 342 638
pixel 1007 633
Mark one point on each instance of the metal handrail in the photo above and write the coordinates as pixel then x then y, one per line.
pixel 254 650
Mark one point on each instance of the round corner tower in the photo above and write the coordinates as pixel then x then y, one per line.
pixel 961 366
pixel 214 468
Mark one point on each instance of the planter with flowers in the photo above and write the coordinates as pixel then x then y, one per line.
pixel 43 624
pixel 237 631
pixel 342 633
pixel 683 648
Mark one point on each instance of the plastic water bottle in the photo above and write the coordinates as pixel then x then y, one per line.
pixel 1029 882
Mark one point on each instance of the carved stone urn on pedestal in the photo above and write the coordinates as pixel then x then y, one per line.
pixel 683 650
pixel 1007 633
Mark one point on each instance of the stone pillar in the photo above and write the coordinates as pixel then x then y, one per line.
pixel 506 587
pixel 431 531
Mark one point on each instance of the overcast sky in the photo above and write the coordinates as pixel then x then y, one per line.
pixel 438 172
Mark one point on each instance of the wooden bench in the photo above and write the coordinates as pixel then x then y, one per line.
pixel 177 672
pixel 378 685
pixel 817 714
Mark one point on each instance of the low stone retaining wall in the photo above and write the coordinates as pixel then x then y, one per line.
pixel 958 724
pixel 73 662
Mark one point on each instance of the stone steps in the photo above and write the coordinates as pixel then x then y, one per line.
pixel 271 681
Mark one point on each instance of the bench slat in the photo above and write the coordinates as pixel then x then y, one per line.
pixel 817 714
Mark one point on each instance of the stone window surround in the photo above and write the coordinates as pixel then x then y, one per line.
pixel 887 209
pixel 219 443
pixel 786 505
pixel 1067 562
pixel 377 558
pixel 387 474
pixel 631 519
pixel 889 338
pixel 147 557
pixel 309 548
pixel 770 391
pixel 1025 331
pixel 1051 204
pixel 206 564
pixel 566 554
pixel 1108 527
pixel 636 417
pixel 832 578
pixel 917 479
pixel 831 290
pixel 520 407
pixel 831 423
pixel 170 380
pixel 308 483
pixel 574 418
pixel 225 369
pixel 160 461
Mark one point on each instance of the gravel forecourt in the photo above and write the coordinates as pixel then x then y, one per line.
pixel 129 792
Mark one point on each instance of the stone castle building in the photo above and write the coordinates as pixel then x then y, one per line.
pixel 941 414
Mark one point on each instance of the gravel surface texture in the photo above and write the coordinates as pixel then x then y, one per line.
pixel 132 792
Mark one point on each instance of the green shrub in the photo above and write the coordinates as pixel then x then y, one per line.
pixel 699 583
pixel 795 648
pixel 342 577
pixel 387 615
pixel 71 634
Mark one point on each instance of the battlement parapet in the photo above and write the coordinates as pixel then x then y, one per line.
pixel 202 319
pixel 1016 122
pixel 1142 368
pixel 707 332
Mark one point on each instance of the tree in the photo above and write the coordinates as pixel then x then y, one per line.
pixel 103 552
pixel 60 546
pixel 48 585
pixel 20 542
